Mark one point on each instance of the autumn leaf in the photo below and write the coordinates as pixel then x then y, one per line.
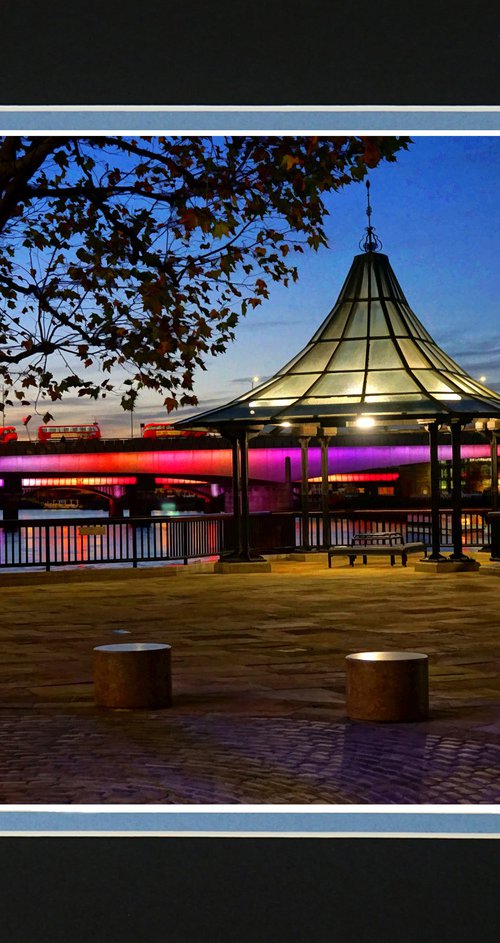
pixel 371 154
pixel 221 229
pixel 288 161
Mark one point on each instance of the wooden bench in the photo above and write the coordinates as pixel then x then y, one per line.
pixel 376 544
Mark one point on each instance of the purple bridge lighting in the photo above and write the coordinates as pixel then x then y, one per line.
pixel 265 464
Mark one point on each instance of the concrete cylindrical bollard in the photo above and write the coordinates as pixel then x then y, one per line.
pixel 387 686
pixel 133 675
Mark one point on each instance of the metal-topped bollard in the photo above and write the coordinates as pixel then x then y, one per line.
pixel 133 675
pixel 387 686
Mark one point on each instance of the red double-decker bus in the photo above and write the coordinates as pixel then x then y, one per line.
pixel 159 430
pixel 89 430
pixel 8 434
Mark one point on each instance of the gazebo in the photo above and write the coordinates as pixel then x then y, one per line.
pixel 371 362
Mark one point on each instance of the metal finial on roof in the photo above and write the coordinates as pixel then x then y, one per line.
pixel 371 242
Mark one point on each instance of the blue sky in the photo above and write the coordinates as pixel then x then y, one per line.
pixel 437 212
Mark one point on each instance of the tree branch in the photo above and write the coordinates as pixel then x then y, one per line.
pixel 15 174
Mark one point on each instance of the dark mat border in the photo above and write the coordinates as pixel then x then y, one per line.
pixel 221 889
pixel 271 52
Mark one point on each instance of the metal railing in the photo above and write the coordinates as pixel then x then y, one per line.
pixel 412 525
pixel 97 540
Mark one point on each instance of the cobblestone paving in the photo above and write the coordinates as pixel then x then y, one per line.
pixel 258 664
pixel 149 757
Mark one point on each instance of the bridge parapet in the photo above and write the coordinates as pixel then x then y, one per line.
pixel 214 444
pixel 85 446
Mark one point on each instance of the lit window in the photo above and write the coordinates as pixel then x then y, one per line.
pixel 358 322
pixel 342 383
pixel 350 355
pixel 336 327
pixel 383 355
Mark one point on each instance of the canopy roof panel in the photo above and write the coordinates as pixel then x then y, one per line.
pixel 371 355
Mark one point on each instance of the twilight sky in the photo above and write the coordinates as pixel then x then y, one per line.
pixel 437 212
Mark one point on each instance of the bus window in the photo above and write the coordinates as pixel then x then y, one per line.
pixel 56 433
pixel 159 430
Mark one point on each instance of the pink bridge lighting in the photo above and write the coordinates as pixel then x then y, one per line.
pixel 264 464
pixel 74 482
pixel 361 476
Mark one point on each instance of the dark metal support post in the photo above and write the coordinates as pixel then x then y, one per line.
pixel 435 554
pixel 494 470
pixel 245 507
pixel 456 492
pixel 304 491
pixel 241 552
pixel 491 435
pixel 236 494
pixel 235 553
pixel 325 490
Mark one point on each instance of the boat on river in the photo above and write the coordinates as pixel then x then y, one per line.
pixel 63 504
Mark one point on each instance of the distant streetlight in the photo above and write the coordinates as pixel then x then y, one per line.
pixel 26 421
pixel 482 379
pixel 255 380
pixel 132 411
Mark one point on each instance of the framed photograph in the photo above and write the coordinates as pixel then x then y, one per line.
pixel 249 543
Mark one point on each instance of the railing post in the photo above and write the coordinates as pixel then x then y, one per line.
pixel 184 525
pixel 221 536
pixel 134 545
pixel 47 548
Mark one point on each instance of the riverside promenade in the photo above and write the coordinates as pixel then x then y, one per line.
pixel 258 683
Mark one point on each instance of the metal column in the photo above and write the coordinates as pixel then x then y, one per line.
pixel 236 494
pixel 325 490
pixel 235 553
pixel 304 491
pixel 435 554
pixel 456 492
pixel 494 471
pixel 245 507
pixel 241 552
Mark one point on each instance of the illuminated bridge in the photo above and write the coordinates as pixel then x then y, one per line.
pixel 121 467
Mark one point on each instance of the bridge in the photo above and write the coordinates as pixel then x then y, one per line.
pixel 126 471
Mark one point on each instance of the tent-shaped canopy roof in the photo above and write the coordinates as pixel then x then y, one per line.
pixel 371 356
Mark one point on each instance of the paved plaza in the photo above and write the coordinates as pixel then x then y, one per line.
pixel 258 676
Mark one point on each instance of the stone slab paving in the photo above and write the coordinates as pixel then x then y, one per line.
pixel 258 672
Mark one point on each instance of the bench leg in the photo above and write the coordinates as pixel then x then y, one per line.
pixel 393 559
pixel 329 561
pixel 351 559
pixel 365 559
pixel 404 557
